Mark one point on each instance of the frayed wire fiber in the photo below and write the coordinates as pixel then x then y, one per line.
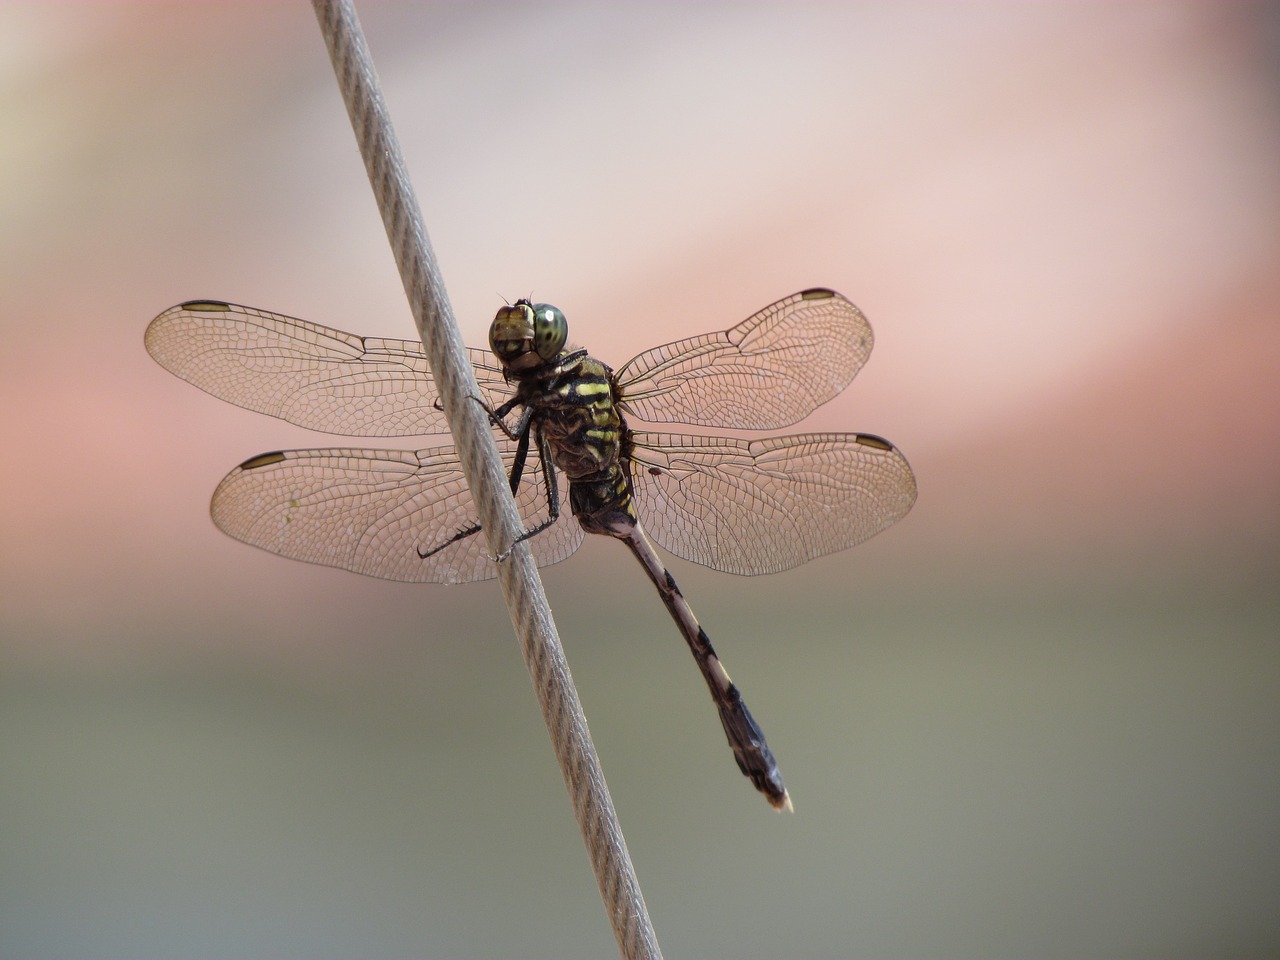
pixel 518 575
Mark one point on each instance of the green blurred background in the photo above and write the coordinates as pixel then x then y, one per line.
pixel 1039 718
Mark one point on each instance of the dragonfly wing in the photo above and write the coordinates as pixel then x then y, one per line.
pixel 767 372
pixel 761 506
pixel 314 376
pixel 374 512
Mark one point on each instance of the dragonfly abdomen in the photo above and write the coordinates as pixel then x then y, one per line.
pixel 603 503
pixel 750 750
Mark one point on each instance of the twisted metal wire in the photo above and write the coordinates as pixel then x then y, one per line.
pixel 518 575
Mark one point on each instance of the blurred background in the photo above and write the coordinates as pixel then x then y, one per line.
pixel 1038 718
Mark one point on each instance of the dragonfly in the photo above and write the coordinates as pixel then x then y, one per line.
pixel 743 506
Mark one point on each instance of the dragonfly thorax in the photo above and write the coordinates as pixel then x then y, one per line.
pixel 526 335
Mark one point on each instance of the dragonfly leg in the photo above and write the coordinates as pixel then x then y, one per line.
pixel 516 475
pixel 510 405
pixel 498 417
pixel 750 749
pixel 553 492
pixel 462 534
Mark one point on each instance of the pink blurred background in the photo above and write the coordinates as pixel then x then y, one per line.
pixel 1037 718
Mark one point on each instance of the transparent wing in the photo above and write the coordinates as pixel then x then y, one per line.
pixel 767 372
pixel 761 506
pixel 373 511
pixel 314 376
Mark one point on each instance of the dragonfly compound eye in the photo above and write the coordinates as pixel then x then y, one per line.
pixel 511 335
pixel 550 330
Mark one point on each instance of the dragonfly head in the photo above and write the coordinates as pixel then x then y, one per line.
pixel 526 335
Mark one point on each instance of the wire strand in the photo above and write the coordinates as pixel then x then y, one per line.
pixel 518 575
